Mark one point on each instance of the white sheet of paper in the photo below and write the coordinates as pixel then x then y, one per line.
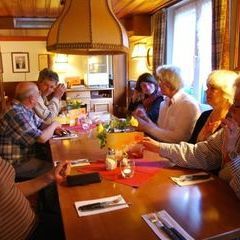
pixel 103 210
pixel 72 135
pixel 186 182
pixel 174 224
pixel 79 162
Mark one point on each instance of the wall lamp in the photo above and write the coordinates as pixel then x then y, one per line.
pixel 61 58
pixel 140 50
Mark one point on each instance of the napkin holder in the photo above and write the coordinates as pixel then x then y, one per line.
pixel 83 179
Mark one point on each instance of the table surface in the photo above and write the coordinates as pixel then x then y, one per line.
pixel 207 210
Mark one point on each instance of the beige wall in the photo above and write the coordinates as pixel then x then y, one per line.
pixel 33 48
pixel 76 66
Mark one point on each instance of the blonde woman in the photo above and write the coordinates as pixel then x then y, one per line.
pixel 219 95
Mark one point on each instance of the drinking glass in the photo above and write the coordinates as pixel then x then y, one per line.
pixel 127 167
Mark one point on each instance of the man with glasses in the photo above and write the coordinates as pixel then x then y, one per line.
pixel 21 129
pixel 178 111
pixel 220 151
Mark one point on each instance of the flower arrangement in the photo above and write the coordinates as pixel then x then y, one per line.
pixel 115 126
pixel 74 104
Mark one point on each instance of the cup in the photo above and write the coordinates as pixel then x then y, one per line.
pixel 127 167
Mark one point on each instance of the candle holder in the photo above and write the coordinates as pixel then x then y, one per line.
pixel 127 167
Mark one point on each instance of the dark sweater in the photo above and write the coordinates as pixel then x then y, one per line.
pixel 152 112
pixel 199 125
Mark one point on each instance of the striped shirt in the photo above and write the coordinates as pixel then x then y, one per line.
pixel 205 155
pixel 16 216
pixel 19 130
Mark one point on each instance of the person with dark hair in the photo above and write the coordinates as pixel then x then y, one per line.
pixel 146 97
pixel 48 84
pixel 178 111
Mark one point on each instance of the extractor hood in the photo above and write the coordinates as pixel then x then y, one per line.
pixel 87 27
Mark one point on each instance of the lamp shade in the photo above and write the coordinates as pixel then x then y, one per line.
pixel 87 27
pixel 139 50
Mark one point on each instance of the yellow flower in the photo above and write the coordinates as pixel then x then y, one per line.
pixel 134 122
pixel 100 128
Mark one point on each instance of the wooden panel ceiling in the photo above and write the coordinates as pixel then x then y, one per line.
pixel 52 8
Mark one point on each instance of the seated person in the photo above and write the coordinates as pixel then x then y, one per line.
pixel 20 129
pixel 48 85
pixel 219 96
pixel 220 150
pixel 178 112
pixel 146 96
pixel 18 220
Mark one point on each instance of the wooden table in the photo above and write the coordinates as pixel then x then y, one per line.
pixel 207 210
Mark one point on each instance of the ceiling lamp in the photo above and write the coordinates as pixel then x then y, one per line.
pixel 87 27
pixel 139 50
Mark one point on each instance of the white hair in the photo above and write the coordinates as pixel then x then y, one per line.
pixel 225 81
pixel 170 74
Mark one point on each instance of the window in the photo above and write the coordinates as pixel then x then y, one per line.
pixel 189 43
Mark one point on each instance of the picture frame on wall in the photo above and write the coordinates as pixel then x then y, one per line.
pixel 43 61
pixel 20 62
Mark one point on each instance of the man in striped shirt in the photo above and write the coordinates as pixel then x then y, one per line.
pixel 221 150
pixel 17 220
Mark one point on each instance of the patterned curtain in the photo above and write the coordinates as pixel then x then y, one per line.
pixel 220 35
pixel 159 38
pixel 2 99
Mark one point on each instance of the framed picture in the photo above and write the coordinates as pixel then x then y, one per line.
pixel 237 41
pixel 43 61
pixel 20 62
pixel 1 64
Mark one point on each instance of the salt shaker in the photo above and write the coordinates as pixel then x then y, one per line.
pixel 111 162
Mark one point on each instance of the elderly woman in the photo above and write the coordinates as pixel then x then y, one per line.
pixel 146 97
pixel 219 95
pixel 178 112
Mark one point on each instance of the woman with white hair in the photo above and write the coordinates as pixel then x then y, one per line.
pixel 178 111
pixel 219 95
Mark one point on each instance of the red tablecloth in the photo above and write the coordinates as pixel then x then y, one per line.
pixel 144 170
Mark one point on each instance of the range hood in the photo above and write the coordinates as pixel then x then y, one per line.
pixel 87 27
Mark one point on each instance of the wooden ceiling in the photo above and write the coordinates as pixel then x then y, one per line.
pixel 52 8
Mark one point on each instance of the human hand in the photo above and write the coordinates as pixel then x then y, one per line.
pixel 140 112
pixel 60 171
pixel 151 145
pixel 59 91
pixel 61 132
pixel 231 134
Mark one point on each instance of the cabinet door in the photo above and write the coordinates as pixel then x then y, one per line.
pixel 102 105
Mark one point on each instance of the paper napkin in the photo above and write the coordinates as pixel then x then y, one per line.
pixel 103 210
pixel 170 220
pixel 179 182
pixel 72 135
